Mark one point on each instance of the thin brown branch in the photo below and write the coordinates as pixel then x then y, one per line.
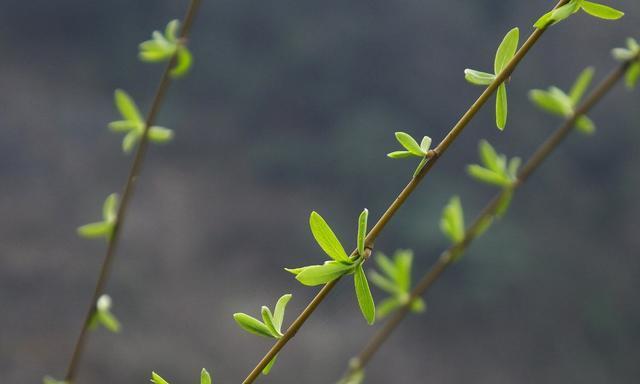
pixel 446 258
pixel 126 196
pixel 406 192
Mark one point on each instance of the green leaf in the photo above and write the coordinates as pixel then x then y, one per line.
pixel 418 305
pixel 184 61
pixel 489 156
pixel 501 107
pixel 110 208
pixel 400 154
pixel 581 85
pixel 160 134
pixel 385 284
pixel 124 126
pixel 278 313
pixel 252 325
pixel 127 107
pixel 386 265
pixel 425 144
pixel 487 176
pixel 547 102
pixel 557 15
pixel 355 377
pixel 205 377
pixel 51 380
pixel 601 11
pixel 171 30
pixel 632 76
pixel 409 143
pixel 421 165
pixel 403 261
pixel 95 230
pixel 362 231
pixel 478 77
pixel 506 50
pixel 514 165
pixel 363 293
pixel 109 321
pixel 505 201
pixel 386 306
pixel 267 319
pixel 129 141
pixel 322 274
pixel 326 238
pixel 452 221
pixel 585 125
pixel 295 271
pixel 268 367
pixel 157 379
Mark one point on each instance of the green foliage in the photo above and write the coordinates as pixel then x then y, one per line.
pixel 51 380
pixel 205 378
pixel 495 168
pixel 163 47
pixel 594 9
pixel 103 316
pixel 157 379
pixel 505 53
pixel 395 279
pixel 557 102
pixel 354 377
pixel 133 124
pixel 412 148
pixel 270 326
pixel 630 54
pixel 105 227
pixel 452 221
pixel 341 263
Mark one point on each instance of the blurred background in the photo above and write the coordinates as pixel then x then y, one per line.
pixel 291 107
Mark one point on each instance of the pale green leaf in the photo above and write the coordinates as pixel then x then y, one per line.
pixel 585 125
pixel 129 141
pixel 403 261
pixel 95 230
pixel 385 284
pixel 157 379
pixel 109 321
pixel 601 11
pixel 487 176
pixel 504 202
pixel 632 76
pixel 322 274
pixel 557 15
pixel 127 107
pixel 160 134
pixel 581 85
pixel 452 221
pixel 489 157
pixel 501 107
pixel 386 306
pixel 425 144
pixel 506 50
pixel 267 319
pixel 362 231
pixel 295 271
pixel 386 265
pixel 124 126
pixel 268 367
pixel 548 102
pixel 110 208
pixel 514 165
pixel 278 313
pixel 171 30
pixel 326 238
pixel 184 61
pixel 400 154
pixel 252 325
pixel 421 165
pixel 418 305
pixel 205 377
pixel 478 77
pixel 409 143
pixel 363 293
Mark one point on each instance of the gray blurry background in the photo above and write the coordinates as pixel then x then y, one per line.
pixel 291 106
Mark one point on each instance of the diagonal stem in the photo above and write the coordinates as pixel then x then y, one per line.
pixel 127 194
pixel 447 257
pixel 406 192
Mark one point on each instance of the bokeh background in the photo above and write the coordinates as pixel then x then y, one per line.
pixel 291 106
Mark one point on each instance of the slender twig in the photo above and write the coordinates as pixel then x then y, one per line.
pixel 127 193
pixel 447 257
pixel 406 192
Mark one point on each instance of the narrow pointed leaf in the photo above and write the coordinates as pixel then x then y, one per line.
pixel 386 306
pixel 506 50
pixel 362 231
pixel 184 61
pixel 123 126
pixel 400 154
pixel 489 156
pixel 403 261
pixel 501 107
pixel 295 271
pixel 418 305
pixel 157 379
pixel 421 165
pixel 452 222
pixel 205 377
pixel 505 201
pixel 95 230
pixel 278 313
pixel 326 238
pixel 385 284
pixel 557 15
pixel 322 274
pixel 547 102
pixel 127 106
pixel 585 125
pixel 160 134
pixel 487 176
pixel 268 367
pixel 110 208
pixel 581 85
pixel 409 143
pixel 267 319
pixel 633 73
pixel 129 141
pixel 252 325
pixel 425 144
pixel 109 321
pixel 363 293
pixel 386 265
pixel 601 11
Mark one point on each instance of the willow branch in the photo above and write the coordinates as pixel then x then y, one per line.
pixel 406 192
pixel 127 194
pixel 489 211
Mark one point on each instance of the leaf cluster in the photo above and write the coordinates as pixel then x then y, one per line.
pixel 132 124
pixel 594 9
pixel 630 54
pixel 105 227
pixel 495 168
pixel 103 316
pixel 506 50
pixel 412 149
pixel 270 326
pixel 205 378
pixel 341 263
pixel 395 279
pixel 163 47
pixel 555 101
